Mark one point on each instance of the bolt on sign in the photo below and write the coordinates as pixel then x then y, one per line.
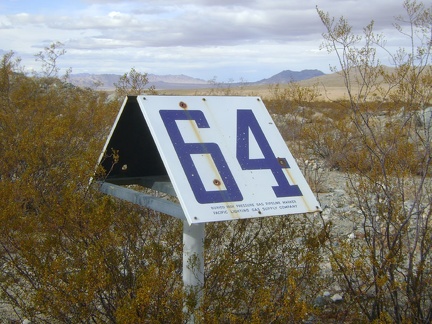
pixel 225 157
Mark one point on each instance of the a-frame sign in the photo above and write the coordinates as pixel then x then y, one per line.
pixel 223 156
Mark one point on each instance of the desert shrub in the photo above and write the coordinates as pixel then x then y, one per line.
pixel 382 268
pixel 133 83
pixel 67 253
pixel 262 270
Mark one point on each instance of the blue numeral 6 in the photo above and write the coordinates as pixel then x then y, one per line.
pixel 185 150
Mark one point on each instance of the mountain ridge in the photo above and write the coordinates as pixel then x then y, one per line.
pixel 106 81
pixel 291 76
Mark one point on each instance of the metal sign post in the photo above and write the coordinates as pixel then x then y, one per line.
pixel 193 263
pixel 222 157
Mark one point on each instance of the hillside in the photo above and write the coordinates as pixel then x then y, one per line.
pixel 332 86
pixel 291 76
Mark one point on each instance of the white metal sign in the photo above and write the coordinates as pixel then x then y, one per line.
pixel 226 158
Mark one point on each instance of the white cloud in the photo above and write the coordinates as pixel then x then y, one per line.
pixel 199 37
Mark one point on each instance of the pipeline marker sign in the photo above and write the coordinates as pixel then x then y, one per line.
pixel 225 158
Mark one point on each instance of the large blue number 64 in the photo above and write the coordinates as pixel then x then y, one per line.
pixel 185 150
pixel 246 121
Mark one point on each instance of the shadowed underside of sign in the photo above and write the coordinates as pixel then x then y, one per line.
pixel 138 155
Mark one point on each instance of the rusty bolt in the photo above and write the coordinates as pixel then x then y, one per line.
pixel 283 162
pixel 183 105
pixel 216 182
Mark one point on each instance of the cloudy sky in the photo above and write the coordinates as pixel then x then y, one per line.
pixel 231 40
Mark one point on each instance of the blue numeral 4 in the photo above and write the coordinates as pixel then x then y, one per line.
pixel 246 121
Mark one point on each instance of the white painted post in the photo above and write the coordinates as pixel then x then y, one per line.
pixel 193 263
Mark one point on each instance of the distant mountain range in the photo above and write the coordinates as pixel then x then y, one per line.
pixel 163 82
pixel 291 76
